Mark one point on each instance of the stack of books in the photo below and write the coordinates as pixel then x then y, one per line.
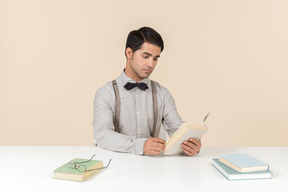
pixel 241 166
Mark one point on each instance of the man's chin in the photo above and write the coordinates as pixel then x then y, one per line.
pixel 145 76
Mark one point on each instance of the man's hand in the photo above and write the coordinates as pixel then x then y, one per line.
pixel 191 146
pixel 153 146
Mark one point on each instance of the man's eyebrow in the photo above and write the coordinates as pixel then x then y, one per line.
pixel 157 56
pixel 146 53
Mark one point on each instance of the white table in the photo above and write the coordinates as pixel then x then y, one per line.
pixel 31 169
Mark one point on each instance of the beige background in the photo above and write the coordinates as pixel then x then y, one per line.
pixel 230 58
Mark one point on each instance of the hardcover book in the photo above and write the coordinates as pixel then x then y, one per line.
pixel 66 172
pixel 186 131
pixel 243 162
pixel 231 174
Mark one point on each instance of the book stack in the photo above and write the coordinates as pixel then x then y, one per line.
pixel 241 166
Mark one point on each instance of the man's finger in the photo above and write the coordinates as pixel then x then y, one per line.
pixel 154 146
pixel 195 141
pixel 158 140
pixel 188 150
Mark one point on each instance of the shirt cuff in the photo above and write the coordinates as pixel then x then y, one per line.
pixel 139 146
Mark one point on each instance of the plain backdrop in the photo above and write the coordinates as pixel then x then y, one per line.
pixel 225 57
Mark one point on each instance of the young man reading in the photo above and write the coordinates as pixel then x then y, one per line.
pixel 128 112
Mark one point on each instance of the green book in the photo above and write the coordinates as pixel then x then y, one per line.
pixel 67 172
pixel 231 174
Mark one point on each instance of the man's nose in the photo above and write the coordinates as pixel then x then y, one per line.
pixel 151 63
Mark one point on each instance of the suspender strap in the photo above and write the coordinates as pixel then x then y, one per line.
pixel 155 110
pixel 117 108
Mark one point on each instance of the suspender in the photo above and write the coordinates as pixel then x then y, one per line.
pixel 155 109
pixel 117 108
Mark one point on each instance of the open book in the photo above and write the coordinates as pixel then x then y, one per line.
pixel 186 130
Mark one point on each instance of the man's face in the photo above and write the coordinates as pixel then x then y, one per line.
pixel 142 62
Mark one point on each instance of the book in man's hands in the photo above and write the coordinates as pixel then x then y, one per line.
pixel 231 174
pixel 186 131
pixel 66 172
pixel 243 162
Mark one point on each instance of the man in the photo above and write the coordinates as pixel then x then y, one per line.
pixel 137 128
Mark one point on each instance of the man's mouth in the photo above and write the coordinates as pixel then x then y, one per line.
pixel 147 70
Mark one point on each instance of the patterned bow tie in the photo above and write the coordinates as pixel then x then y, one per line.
pixel 142 86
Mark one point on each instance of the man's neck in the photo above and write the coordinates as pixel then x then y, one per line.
pixel 129 73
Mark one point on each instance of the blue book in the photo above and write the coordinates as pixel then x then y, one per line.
pixel 243 162
pixel 231 174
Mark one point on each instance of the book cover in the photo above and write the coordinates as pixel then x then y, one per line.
pixel 67 173
pixel 186 130
pixel 243 162
pixel 231 174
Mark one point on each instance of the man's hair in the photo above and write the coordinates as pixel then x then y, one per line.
pixel 138 37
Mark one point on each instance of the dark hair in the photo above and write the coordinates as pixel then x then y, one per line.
pixel 138 37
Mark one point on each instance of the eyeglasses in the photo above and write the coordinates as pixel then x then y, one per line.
pixel 82 168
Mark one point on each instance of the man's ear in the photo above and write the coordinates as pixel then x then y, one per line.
pixel 129 53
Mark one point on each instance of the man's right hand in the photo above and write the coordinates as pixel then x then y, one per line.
pixel 153 146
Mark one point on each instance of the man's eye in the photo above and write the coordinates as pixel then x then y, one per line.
pixel 146 56
pixel 155 59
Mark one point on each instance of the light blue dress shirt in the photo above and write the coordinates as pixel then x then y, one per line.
pixel 136 115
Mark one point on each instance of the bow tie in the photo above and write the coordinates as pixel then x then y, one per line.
pixel 142 86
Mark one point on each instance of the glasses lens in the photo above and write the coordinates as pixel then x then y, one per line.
pixel 72 164
pixel 80 168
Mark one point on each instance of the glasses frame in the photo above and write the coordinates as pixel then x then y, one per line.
pixel 77 165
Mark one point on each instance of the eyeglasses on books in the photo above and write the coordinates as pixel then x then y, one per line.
pixel 82 168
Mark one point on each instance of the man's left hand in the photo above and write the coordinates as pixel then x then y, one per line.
pixel 191 146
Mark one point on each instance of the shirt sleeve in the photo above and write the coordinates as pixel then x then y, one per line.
pixel 170 118
pixel 104 134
